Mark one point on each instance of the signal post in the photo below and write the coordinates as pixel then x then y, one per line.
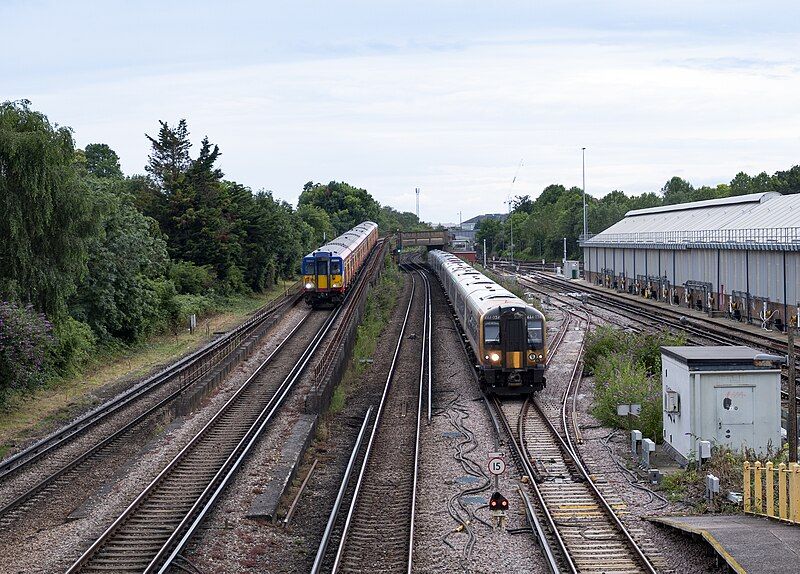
pixel 498 503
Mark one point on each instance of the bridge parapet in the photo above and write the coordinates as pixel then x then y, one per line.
pixel 429 239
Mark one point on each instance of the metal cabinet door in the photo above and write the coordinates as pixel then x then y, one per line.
pixel 735 408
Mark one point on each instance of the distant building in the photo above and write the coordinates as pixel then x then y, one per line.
pixel 738 256
pixel 465 233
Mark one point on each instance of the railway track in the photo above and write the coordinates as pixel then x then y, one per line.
pixel 187 369
pixel 150 532
pixel 51 462
pixel 701 333
pixel 376 533
pixel 676 317
pixel 583 530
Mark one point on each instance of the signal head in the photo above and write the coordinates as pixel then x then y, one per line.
pixel 498 502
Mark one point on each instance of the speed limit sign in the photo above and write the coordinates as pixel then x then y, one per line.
pixel 497 466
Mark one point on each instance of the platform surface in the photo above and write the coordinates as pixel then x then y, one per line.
pixel 748 543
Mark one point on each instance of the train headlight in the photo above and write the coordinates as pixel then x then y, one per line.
pixel 310 285
pixel 532 356
pixel 336 284
pixel 541 356
pixel 494 357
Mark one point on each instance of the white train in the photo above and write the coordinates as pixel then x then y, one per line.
pixel 506 335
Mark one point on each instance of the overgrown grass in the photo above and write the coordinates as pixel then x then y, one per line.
pixel 627 369
pixel 381 301
pixel 25 414
pixel 688 485
pixel 511 285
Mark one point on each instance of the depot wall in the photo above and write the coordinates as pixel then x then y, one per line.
pixel 769 276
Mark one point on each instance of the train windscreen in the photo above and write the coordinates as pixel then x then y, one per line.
pixel 336 267
pixel 535 339
pixel 322 266
pixel 491 332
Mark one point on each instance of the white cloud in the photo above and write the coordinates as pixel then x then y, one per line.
pixel 456 122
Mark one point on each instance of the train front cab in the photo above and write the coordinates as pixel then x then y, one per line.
pixel 323 279
pixel 513 351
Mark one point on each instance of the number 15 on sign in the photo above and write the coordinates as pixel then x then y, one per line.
pixel 497 466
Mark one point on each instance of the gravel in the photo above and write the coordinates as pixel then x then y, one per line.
pixel 453 479
pixel 462 425
pixel 673 552
pixel 231 543
pixel 54 547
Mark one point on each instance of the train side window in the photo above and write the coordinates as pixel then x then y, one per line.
pixel 491 332
pixel 336 267
pixel 322 267
pixel 534 333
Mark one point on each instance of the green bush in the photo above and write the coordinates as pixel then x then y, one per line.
pixel 620 380
pixel 195 305
pixel 601 342
pixel 627 369
pixel 642 348
pixel 190 278
pixel 75 344
pixel 380 303
pixel 25 340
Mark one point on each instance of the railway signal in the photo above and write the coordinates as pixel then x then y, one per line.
pixel 498 504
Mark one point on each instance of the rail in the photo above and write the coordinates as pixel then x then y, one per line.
pixel 637 309
pixel 163 540
pixel 185 370
pixel 371 442
pixel 325 361
pixel 549 438
pixel 765 485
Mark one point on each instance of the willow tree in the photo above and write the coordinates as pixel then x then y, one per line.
pixel 45 217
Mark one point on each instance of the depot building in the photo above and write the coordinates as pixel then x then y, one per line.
pixel 737 255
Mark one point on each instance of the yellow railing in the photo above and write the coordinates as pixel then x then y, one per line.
pixel 763 484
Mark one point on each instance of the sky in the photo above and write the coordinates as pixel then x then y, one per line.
pixel 456 98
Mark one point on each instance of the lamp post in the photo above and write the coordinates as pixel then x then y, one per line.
pixel 583 165
pixel 511 223
pixel 791 417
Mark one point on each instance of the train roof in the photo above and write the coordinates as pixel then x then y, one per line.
pixel 482 291
pixel 344 244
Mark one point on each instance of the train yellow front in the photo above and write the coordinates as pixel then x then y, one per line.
pixel 329 271
pixel 506 335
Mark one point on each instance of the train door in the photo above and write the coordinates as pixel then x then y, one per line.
pixel 323 275
pixel 513 338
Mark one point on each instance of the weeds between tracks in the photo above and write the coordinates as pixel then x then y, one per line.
pixel 381 302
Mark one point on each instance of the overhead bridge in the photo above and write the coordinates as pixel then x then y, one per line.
pixel 430 239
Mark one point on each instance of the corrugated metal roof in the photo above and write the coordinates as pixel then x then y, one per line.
pixel 760 218
pixel 736 199
pixel 781 211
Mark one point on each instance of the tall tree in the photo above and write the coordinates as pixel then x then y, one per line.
pixel 319 221
pixel 102 161
pixel 677 190
pixel 169 159
pixel 46 217
pixel 347 206
pixel 119 296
